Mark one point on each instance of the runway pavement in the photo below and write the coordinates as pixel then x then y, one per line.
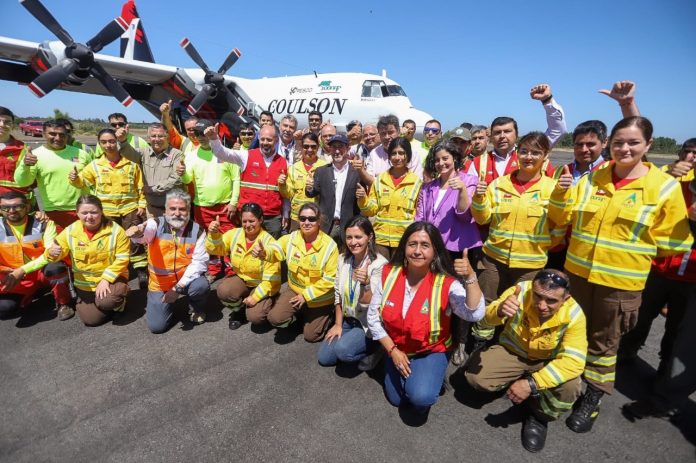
pixel 205 393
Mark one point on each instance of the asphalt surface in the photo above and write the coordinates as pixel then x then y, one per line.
pixel 205 393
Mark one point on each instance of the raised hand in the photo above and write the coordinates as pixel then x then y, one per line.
pixel 462 267
pixel 298 135
pixel 212 132
pixel 360 191
pixel 122 133
pixel 680 168
pixel 165 108
pixel 309 183
pixel 565 181
pixel 511 304
pixel 135 231
pixel 540 92
pixel 456 183
pixel 214 226
pixel 358 162
pixel 623 91
pixel 258 250
pixel 481 188
pixel 72 176
pixel 30 158
pixel 55 251
pixel 180 167
pixel 283 177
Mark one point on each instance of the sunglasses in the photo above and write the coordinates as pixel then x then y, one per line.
pixel 304 218
pixel 12 208
pixel 117 125
pixel 310 147
pixel 431 130
pixel 555 278
pixel 246 134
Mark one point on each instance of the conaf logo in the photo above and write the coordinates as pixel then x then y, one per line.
pixel 326 87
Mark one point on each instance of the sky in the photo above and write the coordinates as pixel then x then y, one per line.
pixel 459 61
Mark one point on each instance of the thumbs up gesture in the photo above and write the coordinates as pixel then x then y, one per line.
pixel 360 274
pixel 212 132
pixel 30 158
pixel 309 183
pixel 511 304
pixel 122 134
pixel 283 177
pixel 72 176
pixel 360 191
pixel 165 108
pixel 180 167
pixel 462 267
pixel 565 181
pixel 259 251
pixel 623 91
pixel 214 226
pixel 481 188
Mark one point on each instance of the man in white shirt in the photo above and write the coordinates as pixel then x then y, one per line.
pixel 378 161
pixel 286 143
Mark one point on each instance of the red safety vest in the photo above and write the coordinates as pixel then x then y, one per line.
pixel 169 255
pixel 9 155
pixel 259 184
pixel 426 327
pixel 681 267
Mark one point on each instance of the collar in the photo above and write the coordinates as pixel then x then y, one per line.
pixel 345 167
pixel 503 157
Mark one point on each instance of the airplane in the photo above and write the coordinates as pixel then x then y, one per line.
pixel 69 65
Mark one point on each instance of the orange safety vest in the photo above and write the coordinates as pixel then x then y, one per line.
pixel 426 327
pixel 12 253
pixel 259 184
pixel 168 255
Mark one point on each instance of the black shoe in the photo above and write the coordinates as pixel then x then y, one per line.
pixel 533 433
pixel 585 411
pixel 142 278
pixel 234 323
pixel 370 362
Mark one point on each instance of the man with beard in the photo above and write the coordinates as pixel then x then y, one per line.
pixel 260 169
pixel 216 189
pixel 177 262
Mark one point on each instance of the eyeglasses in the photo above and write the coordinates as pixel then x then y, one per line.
pixel 117 125
pixel 246 134
pixel 12 208
pixel 304 218
pixel 558 280
pixel 310 147
pixel 530 153
pixel 431 130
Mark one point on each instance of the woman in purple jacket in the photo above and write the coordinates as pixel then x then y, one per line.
pixel 445 203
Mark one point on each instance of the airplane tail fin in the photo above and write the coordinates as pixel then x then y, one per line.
pixel 134 44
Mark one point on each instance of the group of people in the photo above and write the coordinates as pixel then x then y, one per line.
pixel 471 249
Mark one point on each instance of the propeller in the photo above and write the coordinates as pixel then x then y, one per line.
pixel 214 81
pixel 78 57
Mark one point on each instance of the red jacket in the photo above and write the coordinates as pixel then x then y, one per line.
pixel 426 327
pixel 259 184
pixel 9 155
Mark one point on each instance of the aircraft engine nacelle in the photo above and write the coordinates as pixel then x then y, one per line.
pixel 51 53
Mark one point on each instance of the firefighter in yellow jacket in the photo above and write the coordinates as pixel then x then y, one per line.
pixel 118 183
pixel 98 249
pixel 520 233
pixel 312 259
pixel 292 185
pixel 392 198
pixel 256 282
pixel 541 352
pixel 621 217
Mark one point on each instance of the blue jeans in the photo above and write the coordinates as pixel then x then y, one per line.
pixel 350 347
pixel 159 314
pixel 422 388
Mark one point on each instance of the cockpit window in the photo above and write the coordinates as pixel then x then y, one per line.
pixel 395 90
pixel 372 89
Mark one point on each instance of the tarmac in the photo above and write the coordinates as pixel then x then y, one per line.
pixel 207 394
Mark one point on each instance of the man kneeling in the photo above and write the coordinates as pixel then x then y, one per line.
pixel 540 355
pixel 177 261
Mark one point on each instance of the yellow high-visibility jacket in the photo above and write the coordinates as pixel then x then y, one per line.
pixel 311 273
pixel 520 232
pixel 105 256
pixel 294 187
pixel 562 339
pixel 394 207
pixel 119 187
pixel 684 178
pixel 616 234
pixel 264 277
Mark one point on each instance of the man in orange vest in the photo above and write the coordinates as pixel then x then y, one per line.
pixel 177 261
pixel 260 169
pixel 23 267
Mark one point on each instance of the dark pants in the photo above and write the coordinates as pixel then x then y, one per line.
pixel 94 311
pixel 158 314
pixel 232 290
pixel 316 319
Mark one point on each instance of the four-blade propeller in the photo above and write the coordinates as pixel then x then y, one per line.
pixel 78 57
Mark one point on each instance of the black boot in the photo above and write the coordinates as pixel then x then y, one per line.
pixel 534 433
pixel 585 411
pixel 370 362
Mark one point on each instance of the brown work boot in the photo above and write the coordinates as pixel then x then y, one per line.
pixel 65 312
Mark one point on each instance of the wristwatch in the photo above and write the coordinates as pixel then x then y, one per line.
pixel 533 387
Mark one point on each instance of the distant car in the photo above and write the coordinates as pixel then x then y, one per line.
pixel 33 128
